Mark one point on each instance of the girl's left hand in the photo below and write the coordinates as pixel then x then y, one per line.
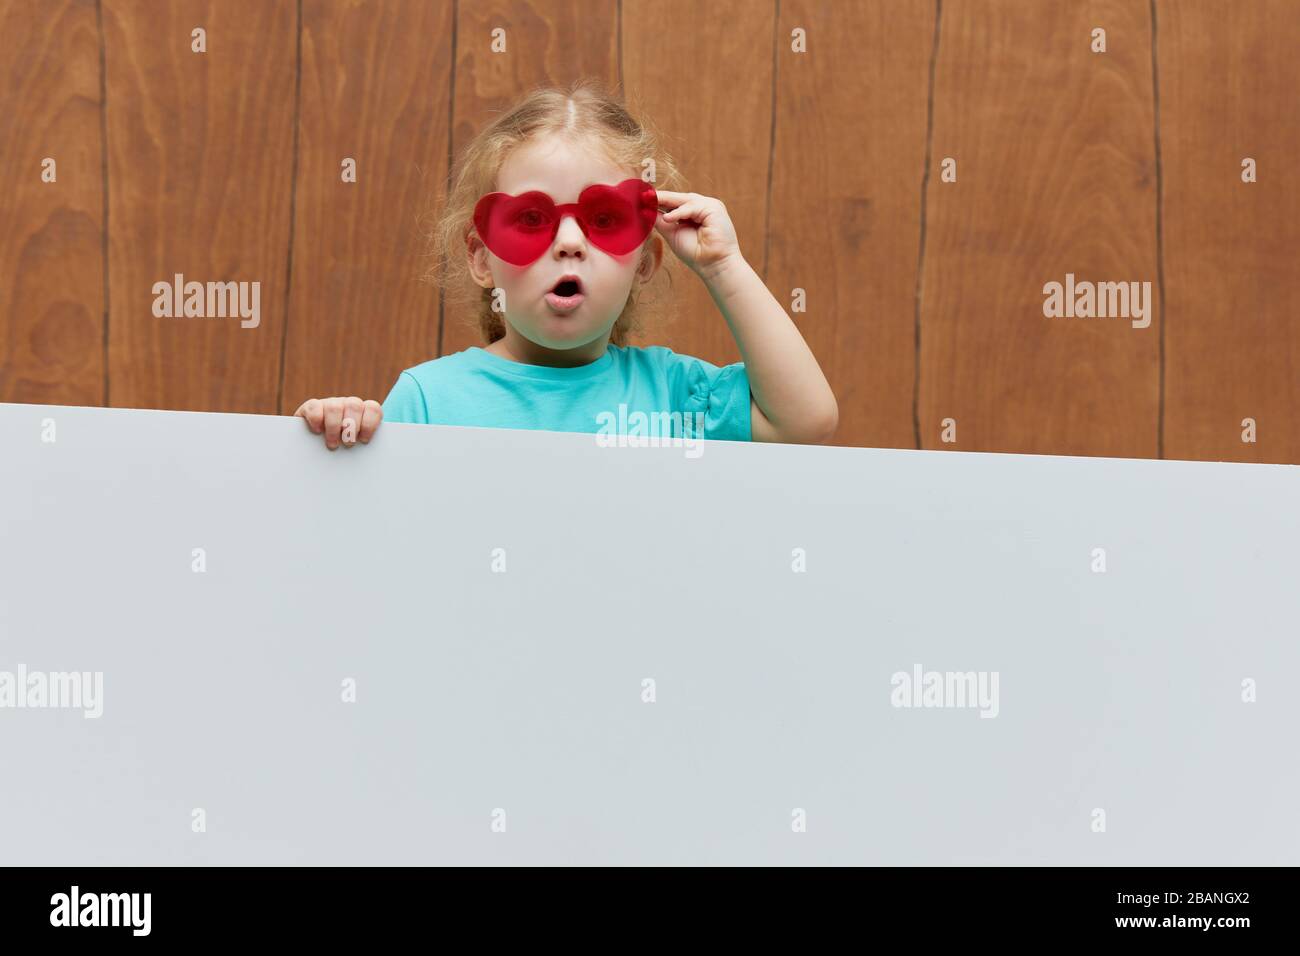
pixel 699 230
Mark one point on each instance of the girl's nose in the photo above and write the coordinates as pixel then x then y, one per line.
pixel 570 238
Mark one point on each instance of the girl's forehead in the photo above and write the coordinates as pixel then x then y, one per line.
pixel 558 168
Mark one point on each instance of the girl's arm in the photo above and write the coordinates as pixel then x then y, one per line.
pixel 792 401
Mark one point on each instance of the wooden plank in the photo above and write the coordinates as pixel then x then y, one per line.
pixel 1055 175
pixel 200 155
pixel 51 246
pixel 1228 82
pixel 375 89
pixel 703 72
pixel 845 218
pixel 548 43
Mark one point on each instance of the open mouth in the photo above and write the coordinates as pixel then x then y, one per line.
pixel 567 288
pixel 566 295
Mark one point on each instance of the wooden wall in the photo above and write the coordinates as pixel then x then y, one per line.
pixel 924 296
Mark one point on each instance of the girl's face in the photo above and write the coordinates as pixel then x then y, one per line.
pixel 562 170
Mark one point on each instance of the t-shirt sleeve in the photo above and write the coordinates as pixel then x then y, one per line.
pixel 405 403
pixel 720 393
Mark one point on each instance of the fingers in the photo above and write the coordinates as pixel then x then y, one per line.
pixel 343 420
pixel 333 422
pixel 351 423
pixel 681 205
pixel 694 209
pixel 669 198
pixel 312 411
pixel 685 211
pixel 370 419
pixel 674 203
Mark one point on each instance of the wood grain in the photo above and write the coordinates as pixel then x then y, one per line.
pixel 1228 83
pixel 924 298
pixel 374 84
pixel 845 216
pixel 51 243
pixel 200 159
pixel 1055 151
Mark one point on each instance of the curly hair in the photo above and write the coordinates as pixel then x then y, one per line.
pixel 586 110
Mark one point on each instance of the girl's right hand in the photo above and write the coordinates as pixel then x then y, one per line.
pixel 343 420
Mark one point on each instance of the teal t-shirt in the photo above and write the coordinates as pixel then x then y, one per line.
pixel 625 390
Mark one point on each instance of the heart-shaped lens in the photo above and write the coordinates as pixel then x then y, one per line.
pixel 618 218
pixel 517 229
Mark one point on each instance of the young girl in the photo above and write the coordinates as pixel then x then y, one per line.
pixel 550 226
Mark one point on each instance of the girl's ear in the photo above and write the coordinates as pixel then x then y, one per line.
pixel 477 257
pixel 651 258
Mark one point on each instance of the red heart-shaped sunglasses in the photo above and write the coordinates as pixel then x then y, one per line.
pixel 520 228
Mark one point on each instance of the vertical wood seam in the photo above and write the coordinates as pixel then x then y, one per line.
pixel 920 258
pixel 451 144
pixel 293 202
pixel 103 164
pixel 771 139
pixel 1160 234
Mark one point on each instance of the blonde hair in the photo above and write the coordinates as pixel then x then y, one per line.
pixel 586 110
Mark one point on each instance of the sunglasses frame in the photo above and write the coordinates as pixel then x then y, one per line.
pixel 644 206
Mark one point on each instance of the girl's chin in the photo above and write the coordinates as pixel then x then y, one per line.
pixel 567 327
pixel 562 332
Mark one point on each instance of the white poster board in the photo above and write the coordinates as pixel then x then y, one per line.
pixel 485 646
